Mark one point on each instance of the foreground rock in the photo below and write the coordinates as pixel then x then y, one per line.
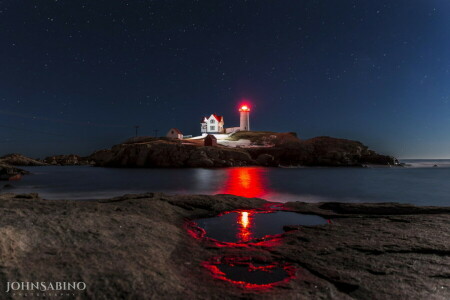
pixel 8 172
pixel 267 149
pixel 137 247
pixel 20 160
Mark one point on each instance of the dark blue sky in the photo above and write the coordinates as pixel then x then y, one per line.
pixel 75 76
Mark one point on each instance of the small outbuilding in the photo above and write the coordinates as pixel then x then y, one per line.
pixel 174 133
pixel 210 140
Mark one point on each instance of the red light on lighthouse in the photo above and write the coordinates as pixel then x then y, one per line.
pixel 244 108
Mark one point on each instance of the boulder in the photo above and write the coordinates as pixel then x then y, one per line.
pixel 8 172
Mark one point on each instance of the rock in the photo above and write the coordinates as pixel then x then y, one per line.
pixel 322 151
pixel 67 160
pixel 138 245
pixel 274 149
pixel 170 153
pixel 199 159
pixel 293 133
pixel 27 196
pixel 265 160
pixel 342 152
pixel 20 160
pixel 8 172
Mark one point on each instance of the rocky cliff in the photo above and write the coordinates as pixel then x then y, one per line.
pixel 268 149
pixel 15 159
pixel 320 151
pixel 163 153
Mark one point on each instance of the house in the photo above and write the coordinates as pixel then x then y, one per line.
pixel 213 124
pixel 210 140
pixel 174 133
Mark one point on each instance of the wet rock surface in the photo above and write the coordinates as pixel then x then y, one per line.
pixel 139 246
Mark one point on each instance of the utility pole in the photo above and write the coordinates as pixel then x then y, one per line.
pixel 156 132
pixel 136 127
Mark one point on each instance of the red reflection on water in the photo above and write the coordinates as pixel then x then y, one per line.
pixel 245 226
pixel 15 177
pixel 212 266
pixel 244 234
pixel 245 222
pixel 247 182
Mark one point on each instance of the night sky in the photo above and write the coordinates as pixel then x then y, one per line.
pixel 76 76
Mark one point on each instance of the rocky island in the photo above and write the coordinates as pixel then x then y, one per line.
pixel 250 148
pixel 263 149
pixel 139 246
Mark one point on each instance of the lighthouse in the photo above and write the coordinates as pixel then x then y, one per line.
pixel 245 118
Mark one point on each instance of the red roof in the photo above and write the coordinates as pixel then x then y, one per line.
pixel 218 118
pixel 210 137
pixel 176 130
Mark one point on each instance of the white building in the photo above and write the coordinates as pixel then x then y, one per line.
pixel 174 133
pixel 244 112
pixel 213 124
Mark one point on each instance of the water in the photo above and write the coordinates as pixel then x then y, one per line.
pixel 420 184
pixel 238 273
pixel 245 226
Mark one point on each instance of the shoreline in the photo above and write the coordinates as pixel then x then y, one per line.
pixel 271 149
pixel 10 172
pixel 138 246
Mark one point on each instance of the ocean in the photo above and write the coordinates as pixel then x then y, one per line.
pixel 418 183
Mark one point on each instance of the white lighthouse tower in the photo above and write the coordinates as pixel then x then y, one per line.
pixel 245 118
